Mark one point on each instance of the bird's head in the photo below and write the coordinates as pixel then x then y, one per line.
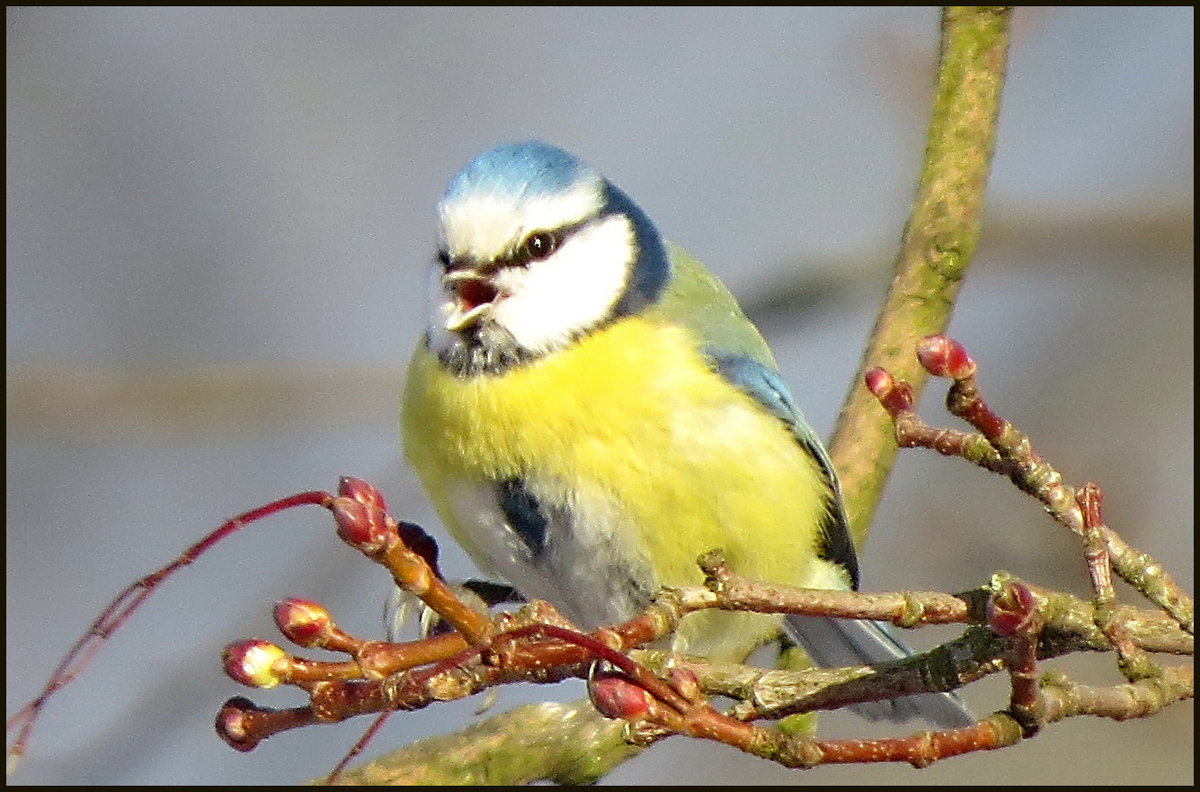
pixel 536 250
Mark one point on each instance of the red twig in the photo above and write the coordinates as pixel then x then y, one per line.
pixel 123 606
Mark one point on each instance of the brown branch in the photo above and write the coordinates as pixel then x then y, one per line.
pixel 1024 624
pixel 1002 448
pixel 535 645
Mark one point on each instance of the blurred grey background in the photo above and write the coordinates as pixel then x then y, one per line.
pixel 218 222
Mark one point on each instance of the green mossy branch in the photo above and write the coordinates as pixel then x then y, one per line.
pixel 937 246
pixel 569 744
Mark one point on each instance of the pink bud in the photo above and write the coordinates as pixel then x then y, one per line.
pixel 1013 610
pixel 360 525
pixel 892 395
pixel 879 382
pixel 361 491
pixel 616 697
pixel 944 357
pixel 303 622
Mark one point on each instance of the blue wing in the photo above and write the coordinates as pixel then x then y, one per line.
pixel 765 386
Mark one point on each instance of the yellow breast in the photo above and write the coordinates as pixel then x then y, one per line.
pixel 634 418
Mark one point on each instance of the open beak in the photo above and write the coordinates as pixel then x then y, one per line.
pixel 473 296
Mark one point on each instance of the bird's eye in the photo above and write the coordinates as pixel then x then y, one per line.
pixel 537 246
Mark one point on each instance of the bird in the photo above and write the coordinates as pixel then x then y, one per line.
pixel 589 410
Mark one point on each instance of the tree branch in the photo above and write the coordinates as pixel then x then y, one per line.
pixel 937 246
pixel 560 743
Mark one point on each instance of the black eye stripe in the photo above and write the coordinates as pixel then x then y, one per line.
pixel 541 244
pixel 536 246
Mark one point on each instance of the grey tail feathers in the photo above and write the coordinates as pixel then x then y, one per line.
pixel 834 643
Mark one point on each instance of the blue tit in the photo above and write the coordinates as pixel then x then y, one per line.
pixel 590 410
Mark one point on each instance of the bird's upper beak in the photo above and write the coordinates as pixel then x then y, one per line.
pixel 473 295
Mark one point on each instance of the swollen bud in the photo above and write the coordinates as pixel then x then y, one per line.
pixel 359 490
pixel 1013 611
pixel 894 396
pixel 614 696
pixel 879 381
pixel 253 663
pixel 944 357
pixel 362 526
pixel 303 622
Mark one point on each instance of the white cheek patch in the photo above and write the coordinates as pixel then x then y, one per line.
pixel 547 303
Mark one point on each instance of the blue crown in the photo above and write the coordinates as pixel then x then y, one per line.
pixel 530 168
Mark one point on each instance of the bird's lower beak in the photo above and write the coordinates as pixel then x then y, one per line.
pixel 472 297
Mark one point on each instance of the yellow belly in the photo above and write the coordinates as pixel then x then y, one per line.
pixel 631 421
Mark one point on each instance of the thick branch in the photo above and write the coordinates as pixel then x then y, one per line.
pixel 936 249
